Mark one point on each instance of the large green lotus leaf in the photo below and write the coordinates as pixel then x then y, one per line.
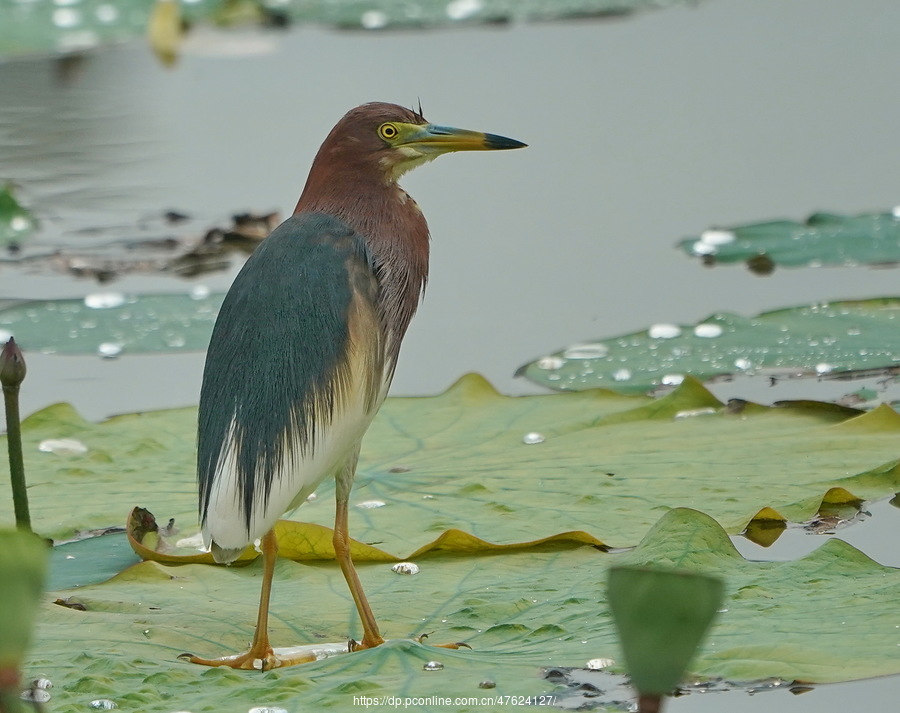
pixel 519 611
pixel 835 581
pixel 825 340
pixel 824 239
pixel 503 469
pixel 112 323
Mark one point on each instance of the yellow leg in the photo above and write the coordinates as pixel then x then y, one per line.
pixel 344 481
pixel 260 655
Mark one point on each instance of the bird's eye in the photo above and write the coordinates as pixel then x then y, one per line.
pixel 388 132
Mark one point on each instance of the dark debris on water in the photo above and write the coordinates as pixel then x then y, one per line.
pixel 588 689
pixel 182 255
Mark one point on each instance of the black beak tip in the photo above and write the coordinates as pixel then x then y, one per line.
pixel 493 141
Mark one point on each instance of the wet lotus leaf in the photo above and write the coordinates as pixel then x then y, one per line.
pixel 30 27
pixel 827 340
pixel 17 223
pixel 607 465
pixel 90 560
pixel 824 239
pixel 111 323
pixel 519 611
pixel 450 469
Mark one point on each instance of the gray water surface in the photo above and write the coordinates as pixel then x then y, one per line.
pixel 641 131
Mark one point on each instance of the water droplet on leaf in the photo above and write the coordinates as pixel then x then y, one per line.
pixel 109 350
pixel 373 19
pixel 62 446
pixel 199 292
pixel 708 331
pixel 716 236
pixel 599 664
pixel 463 9
pixel 550 363
pixel 405 568
pixel 36 695
pixel 104 300
pixel 596 350
pixel 664 331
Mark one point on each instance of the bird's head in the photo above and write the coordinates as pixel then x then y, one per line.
pixel 390 140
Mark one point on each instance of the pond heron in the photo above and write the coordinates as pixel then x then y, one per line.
pixel 305 346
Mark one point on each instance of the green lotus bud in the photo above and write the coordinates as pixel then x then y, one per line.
pixel 661 616
pixel 12 364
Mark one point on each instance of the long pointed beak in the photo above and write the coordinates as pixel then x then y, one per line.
pixel 443 139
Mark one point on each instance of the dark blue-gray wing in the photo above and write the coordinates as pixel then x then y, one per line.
pixel 279 363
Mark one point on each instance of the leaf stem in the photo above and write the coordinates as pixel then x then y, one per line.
pixel 12 372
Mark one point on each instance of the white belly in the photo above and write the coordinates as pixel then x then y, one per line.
pixel 300 474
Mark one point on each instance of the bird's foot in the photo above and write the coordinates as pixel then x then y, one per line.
pixel 454 645
pixel 258 660
pixel 368 642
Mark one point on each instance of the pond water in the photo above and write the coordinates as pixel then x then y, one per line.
pixel 641 131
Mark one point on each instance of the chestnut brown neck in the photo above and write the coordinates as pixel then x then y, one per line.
pixel 354 189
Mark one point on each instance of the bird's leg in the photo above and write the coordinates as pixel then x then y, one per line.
pixel 260 654
pixel 260 646
pixel 344 481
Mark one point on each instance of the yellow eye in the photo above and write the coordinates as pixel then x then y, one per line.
pixel 388 132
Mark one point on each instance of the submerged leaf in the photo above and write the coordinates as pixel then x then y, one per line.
pixel 306 542
pixel 827 340
pixel 17 223
pixel 165 31
pixel 824 239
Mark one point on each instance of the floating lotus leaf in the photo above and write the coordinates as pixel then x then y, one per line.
pixel 824 239
pixel 505 470
pixel 827 340
pixel 505 504
pixel 112 323
pixel 32 29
